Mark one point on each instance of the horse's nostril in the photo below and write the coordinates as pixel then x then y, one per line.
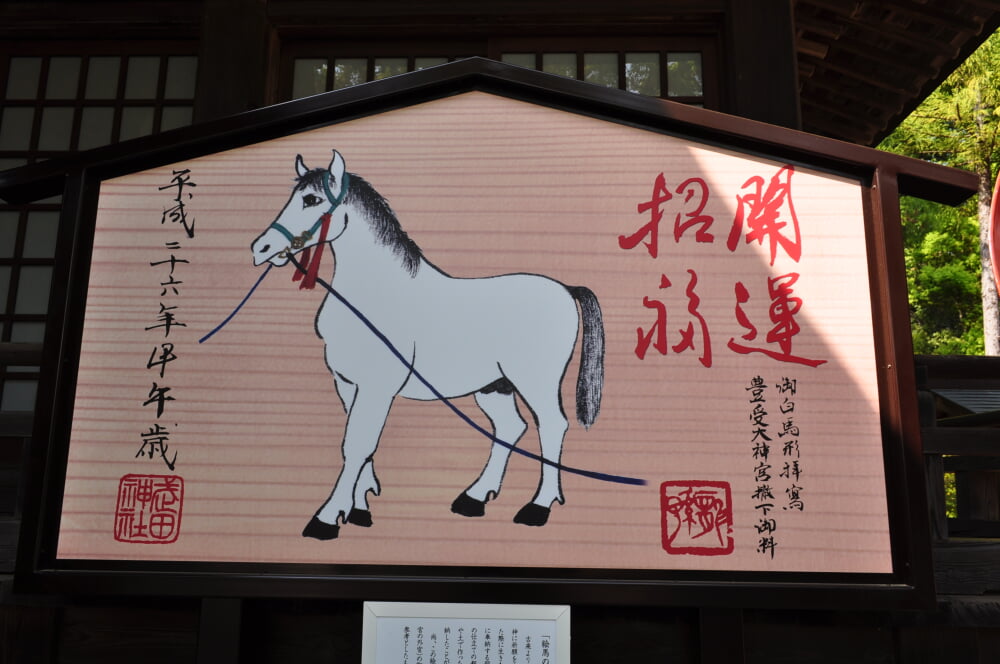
pixel 266 247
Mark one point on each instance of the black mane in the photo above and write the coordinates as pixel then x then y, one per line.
pixel 379 216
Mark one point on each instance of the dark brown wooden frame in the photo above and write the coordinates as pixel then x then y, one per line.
pixel 883 177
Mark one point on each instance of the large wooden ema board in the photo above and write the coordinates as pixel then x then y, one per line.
pixel 738 425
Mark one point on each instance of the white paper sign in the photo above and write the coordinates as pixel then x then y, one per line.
pixel 419 633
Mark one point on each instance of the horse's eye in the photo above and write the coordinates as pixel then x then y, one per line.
pixel 311 200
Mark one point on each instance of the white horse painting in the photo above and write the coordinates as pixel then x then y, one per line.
pixel 494 338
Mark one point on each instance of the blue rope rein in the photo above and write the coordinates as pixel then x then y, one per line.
pixel 239 306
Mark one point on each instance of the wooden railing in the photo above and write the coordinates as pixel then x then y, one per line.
pixel 965 531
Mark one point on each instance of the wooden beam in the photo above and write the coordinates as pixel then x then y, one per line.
pixel 957 464
pixel 837 124
pixel 339 9
pixel 817 123
pixel 443 19
pixel 961 441
pixel 929 12
pixel 810 47
pixel 927 45
pixel 879 57
pixel 838 7
pixel 11 353
pixel 849 94
pixel 78 21
pixel 961 370
pixel 851 72
pixel 825 29
pixel 967 568
pixel 989 6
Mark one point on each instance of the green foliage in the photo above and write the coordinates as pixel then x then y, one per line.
pixel 942 275
pixel 684 75
pixel 957 125
pixel 950 496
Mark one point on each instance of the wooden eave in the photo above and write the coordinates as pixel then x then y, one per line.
pixel 876 60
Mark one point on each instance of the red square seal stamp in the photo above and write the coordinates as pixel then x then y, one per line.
pixel 148 510
pixel 697 517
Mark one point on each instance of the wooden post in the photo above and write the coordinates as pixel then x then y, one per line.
pixel 933 463
pixel 761 62
pixel 236 70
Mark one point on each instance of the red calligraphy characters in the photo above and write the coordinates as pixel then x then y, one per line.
pixel 656 336
pixel 694 218
pixel 148 509
pixel 687 333
pixel 783 308
pixel 768 213
pixel 764 212
pixel 651 228
pixel 693 189
pixel 658 328
pixel 697 517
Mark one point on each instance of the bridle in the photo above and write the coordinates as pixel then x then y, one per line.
pixel 296 242
pixel 307 277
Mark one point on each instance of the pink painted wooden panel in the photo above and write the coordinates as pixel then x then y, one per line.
pixel 484 185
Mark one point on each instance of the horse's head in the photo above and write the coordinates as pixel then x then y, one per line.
pixel 317 193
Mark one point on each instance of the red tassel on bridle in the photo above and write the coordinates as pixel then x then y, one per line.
pixel 311 259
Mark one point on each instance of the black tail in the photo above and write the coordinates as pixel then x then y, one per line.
pixel 591 378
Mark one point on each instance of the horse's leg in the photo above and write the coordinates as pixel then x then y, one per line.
pixel 365 421
pixel 360 514
pixel 552 427
pixel 508 426
pixel 346 390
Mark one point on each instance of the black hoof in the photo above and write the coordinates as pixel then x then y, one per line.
pixel 320 530
pixel 466 505
pixel 532 515
pixel 361 518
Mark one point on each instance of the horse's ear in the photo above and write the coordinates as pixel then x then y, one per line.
pixel 300 166
pixel 337 168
